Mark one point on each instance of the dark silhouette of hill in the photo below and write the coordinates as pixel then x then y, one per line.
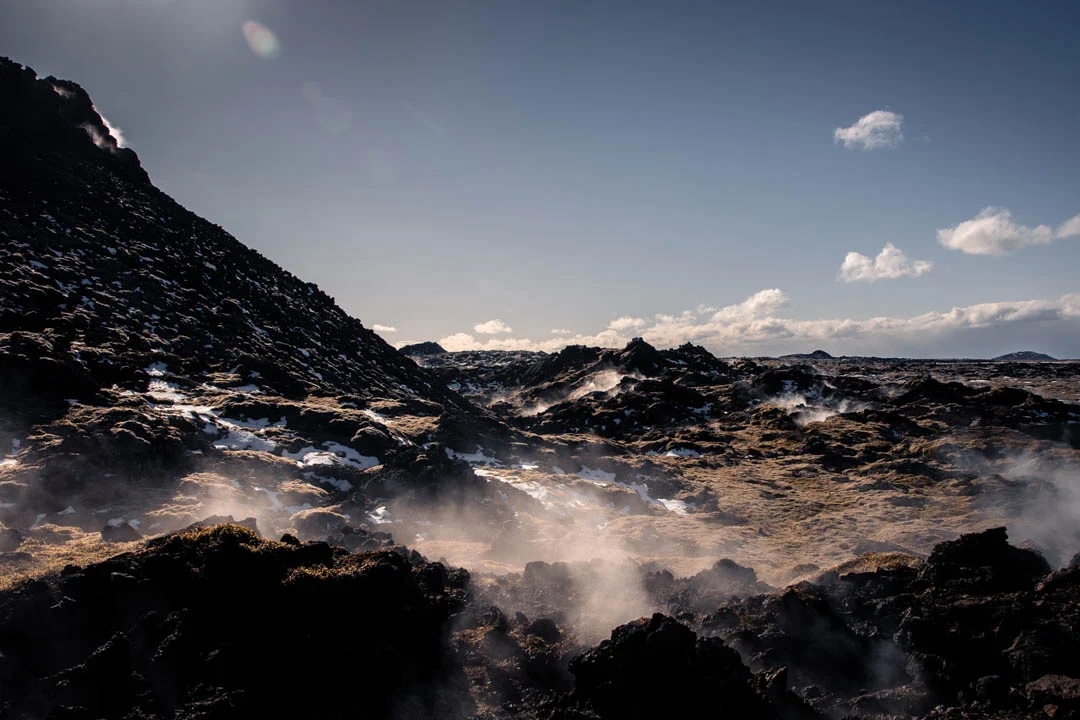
pixel 1023 356
pixel 423 348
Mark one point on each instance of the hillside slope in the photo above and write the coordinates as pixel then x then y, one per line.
pixel 154 370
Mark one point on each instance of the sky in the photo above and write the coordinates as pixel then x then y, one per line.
pixel 890 178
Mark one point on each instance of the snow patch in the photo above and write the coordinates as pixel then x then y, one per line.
pixel 342 485
pixel 379 516
pixel 480 457
pixel 165 392
pixel 532 488
pixel 682 453
pixel 600 477
pixel 332 454
pixel 676 506
pixel 381 419
pixel 156 370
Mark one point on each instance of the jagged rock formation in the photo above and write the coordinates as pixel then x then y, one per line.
pixel 742 444
pixel 424 348
pixel 981 629
pixel 659 667
pixel 194 623
pixel 197 624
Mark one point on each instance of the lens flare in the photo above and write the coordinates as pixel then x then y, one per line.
pixel 261 40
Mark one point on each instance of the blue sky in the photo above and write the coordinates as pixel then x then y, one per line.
pixel 612 169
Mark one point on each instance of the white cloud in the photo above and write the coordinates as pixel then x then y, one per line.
pixel 756 326
pixel 383 328
pixel 492 327
pixel 1069 228
pixel 461 341
pixel 561 331
pixel 761 303
pixel 879 129
pixel 890 263
pixel 627 323
pixel 993 232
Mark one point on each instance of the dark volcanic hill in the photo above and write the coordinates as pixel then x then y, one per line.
pixel 106 275
pixel 424 348
pixel 815 355
pixel 154 370
pixel 1023 356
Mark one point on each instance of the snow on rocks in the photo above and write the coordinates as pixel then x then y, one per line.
pixel 157 370
pixel 379 516
pixel 480 457
pixel 332 454
pixel 682 453
pixel 600 477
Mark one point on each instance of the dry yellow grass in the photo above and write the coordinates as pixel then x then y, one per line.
pixel 38 556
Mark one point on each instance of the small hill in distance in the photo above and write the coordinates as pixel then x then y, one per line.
pixel 424 348
pixel 1023 356
pixel 816 355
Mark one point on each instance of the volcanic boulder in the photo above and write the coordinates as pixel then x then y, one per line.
pixel 657 667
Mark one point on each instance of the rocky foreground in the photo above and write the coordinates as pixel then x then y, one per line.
pixel 216 622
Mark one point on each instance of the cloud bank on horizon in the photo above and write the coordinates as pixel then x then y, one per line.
pixel 873 131
pixel 757 326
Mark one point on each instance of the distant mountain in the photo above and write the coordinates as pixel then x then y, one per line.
pixel 1023 356
pixel 424 348
pixel 816 355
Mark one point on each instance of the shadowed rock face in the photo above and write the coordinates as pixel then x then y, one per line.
pixel 424 348
pixel 215 622
pixel 655 667
pixel 972 627
pixel 51 125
